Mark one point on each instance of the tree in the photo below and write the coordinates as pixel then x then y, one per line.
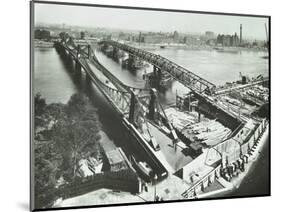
pixel 77 135
pixel 56 111
pixel 73 134
pixel 46 167
pixel 77 106
pixel 39 104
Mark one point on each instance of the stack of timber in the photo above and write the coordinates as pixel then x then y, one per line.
pixel 208 132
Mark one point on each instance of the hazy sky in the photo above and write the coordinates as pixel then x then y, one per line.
pixel 253 27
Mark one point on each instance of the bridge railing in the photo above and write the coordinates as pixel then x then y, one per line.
pixel 120 98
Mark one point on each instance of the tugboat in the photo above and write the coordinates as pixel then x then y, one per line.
pixel 228 50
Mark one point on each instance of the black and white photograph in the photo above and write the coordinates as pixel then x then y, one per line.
pixel 134 105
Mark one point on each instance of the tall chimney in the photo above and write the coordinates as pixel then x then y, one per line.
pixel 240 33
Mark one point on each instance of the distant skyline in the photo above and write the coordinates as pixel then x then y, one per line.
pixel 146 20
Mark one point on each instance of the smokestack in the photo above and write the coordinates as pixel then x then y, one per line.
pixel 240 33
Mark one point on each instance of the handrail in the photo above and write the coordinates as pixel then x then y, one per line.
pixel 201 180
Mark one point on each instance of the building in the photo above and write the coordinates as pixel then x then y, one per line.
pixel 141 38
pixel 176 36
pixel 235 40
pixel 116 160
pixel 42 34
pixel 228 40
pixel 82 35
pixel 209 34
pixel 89 167
pixel 154 37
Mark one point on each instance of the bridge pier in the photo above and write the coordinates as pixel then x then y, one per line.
pixel 88 78
pixel 157 76
pixel 78 51
pixel 128 63
pixel 68 57
pixel 89 51
pixel 159 79
pixel 78 68
pixel 104 47
pixel 154 78
pixel 152 104
pixel 115 54
pixel 132 111
pixel 132 63
pixel 59 48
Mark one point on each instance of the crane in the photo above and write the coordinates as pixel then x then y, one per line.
pixel 266 34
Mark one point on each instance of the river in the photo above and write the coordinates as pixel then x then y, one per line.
pixel 55 80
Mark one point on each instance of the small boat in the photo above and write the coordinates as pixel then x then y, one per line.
pixel 143 168
pixel 227 50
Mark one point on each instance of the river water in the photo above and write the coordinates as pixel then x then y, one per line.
pixel 55 79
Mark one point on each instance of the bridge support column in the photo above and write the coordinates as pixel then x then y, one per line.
pixel 132 108
pixel 69 58
pixel 89 52
pixel 88 78
pixel 152 104
pixel 187 102
pixel 115 54
pixel 131 63
pixel 156 77
pixel 78 51
pixel 77 67
pixel 199 112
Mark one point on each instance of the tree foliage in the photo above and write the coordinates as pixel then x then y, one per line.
pixel 74 133
pixel 39 104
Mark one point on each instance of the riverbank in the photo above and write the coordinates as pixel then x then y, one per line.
pixel 43 44
pixel 224 49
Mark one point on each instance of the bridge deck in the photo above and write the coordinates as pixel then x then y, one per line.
pixel 174 157
pixel 101 76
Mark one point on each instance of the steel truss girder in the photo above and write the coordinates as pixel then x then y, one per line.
pixel 177 72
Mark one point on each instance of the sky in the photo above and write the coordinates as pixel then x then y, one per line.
pixel 144 20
